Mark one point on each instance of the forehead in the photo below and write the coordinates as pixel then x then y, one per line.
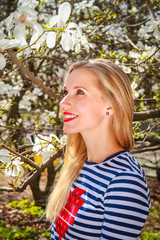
pixel 80 77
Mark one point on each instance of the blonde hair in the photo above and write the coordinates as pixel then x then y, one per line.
pixel 116 89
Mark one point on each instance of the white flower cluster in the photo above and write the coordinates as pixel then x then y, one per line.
pixel 12 167
pixel 9 90
pixel 45 145
pixel 26 17
pixel 42 147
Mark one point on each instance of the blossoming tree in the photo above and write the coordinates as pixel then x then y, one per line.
pixel 38 41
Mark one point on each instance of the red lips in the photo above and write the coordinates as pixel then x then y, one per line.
pixel 69 116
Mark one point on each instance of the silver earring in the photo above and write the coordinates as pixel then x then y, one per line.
pixel 107 113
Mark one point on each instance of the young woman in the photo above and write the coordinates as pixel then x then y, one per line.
pixel 102 192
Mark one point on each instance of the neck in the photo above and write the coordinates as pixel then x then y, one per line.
pixel 100 145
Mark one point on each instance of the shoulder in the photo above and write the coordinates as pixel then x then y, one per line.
pixel 124 161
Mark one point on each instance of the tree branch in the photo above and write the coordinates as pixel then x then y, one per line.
pixel 151 138
pixel 32 163
pixel 146 59
pixel 151 10
pixel 35 174
pixel 146 149
pixel 31 76
pixel 138 116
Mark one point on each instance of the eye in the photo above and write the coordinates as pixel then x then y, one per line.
pixel 65 92
pixel 80 92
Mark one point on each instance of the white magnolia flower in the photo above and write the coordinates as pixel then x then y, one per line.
pixel 123 7
pixel 52 114
pixel 60 20
pixel 135 92
pixel 149 51
pixel 155 87
pixel 6 44
pixel 10 90
pixel 141 91
pixel 138 56
pixel 38 36
pixel 134 10
pixel 83 5
pixel 19 19
pixel 53 137
pixel 4 156
pixel 62 17
pixel 60 72
pixel 40 141
pixel 134 85
pixel 28 3
pixel 5 88
pixel 80 40
pixel 15 169
pixel 63 140
pixel 37 92
pixel 68 36
pixel 141 69
pixel 44 147
pixel 152 26
pixel 44 118
pixel 126 69
pixel 25 104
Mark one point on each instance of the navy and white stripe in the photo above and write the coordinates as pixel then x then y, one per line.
pixel 116 200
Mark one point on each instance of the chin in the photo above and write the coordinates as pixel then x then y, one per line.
pixel 69 130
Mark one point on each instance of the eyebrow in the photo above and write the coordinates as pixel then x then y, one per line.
pixel 76 87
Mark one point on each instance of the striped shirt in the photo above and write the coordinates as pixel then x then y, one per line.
pixel 109 200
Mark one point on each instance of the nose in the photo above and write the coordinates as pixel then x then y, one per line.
pixel 65 103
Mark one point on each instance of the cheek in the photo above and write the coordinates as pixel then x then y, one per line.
pixel 95 109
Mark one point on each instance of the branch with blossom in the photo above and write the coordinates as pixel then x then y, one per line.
pixel 25 18
pixel 31 76
pixel 35 173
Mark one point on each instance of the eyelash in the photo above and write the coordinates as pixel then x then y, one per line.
pixel 65 92
pixel 79 92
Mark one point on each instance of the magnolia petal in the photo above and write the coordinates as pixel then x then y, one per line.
pixel 37 27
pixel 13 43
pixel 17 162
pixel 4 152
pixel 53 21
pixel 64 11
pixel 66 41
pixel 14 172
pixel 37 40
pixel 8 171
pixel 46 155
pixel 51 39
pixel 5 159
pixel 134 54
pixel 2 61
pixel 20 170
pixel 52 137
pixel 39 35
pixel 77 48
pixel 2 35
pixel 28 11
pixel 86 47
pixel 156 33
pixel 79 32
pixel 72 25
pixel 9 21
pixel 20 33
pixel 3 44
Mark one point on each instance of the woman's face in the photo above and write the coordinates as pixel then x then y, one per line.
pixel 83 107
